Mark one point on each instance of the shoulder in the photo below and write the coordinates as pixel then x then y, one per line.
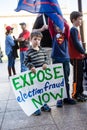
pixel 9 37
pixel 30 51
pixel 42 50
pixel 73 29
pixel 27 31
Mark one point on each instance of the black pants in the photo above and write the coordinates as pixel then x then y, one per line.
pixel 66 68
pixel 78 75
pixel 85 66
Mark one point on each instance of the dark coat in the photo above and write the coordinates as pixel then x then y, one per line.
pixel 15 48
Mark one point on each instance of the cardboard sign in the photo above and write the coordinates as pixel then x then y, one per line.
pixel 33 90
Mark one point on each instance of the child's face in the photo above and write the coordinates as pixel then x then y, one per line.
pixel 78 21
pixel 36 41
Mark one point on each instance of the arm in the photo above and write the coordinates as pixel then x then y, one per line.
pixel 67 30
pixel 27 61
pixel 11 41
pixel 45 58
pixel 26 36
pixel 21 39
pixel 76 42
pixel 39 26
pixel 51 28
pixel 45 63
pixel 43 28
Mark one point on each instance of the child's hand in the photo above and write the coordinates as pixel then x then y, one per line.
pixel 44 66
pixel 33 70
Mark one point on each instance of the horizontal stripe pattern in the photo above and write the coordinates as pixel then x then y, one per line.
pixel 35 58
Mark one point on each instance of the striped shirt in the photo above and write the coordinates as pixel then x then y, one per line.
pixel 35 58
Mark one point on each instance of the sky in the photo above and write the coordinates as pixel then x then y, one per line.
pixel 7 5
pixel 10 5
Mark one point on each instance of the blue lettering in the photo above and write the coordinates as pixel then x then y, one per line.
pixel 34 92
pixel 46 86
pixel 40 91
pixel 62 83
pixel 21 97
pixel 29 94
pixel 25 95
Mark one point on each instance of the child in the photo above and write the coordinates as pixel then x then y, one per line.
pixel 77 52
pixel 36 57
pixel 60 55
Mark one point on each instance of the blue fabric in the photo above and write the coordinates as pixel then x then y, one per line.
pixel 11 60
pixel 57 19
pixel 9 43
pixel 50 7
pixel 22 57
pixel 39 6
pixel 59 103
pixel 60 51
pixel 77 43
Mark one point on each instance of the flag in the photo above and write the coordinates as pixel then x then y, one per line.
pixel 49 7
pixel 57 19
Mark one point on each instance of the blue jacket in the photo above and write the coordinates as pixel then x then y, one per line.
pixel 9 43
pixel 60 43
pixel 76 49
pixel 60 51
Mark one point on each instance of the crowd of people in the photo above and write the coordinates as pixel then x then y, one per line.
pixel 49 45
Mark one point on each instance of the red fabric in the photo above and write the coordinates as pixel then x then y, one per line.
pixel 67 30
pixel 60 40
pixel 52 31
pixel 25 34
pixel 24 49
pixel 8 28
pixel 51 28
pixel 74 54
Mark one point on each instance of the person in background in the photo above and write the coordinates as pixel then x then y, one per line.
pixel 46 41
pixel 9 43
pixel 77 54
pixel 60 54
pixel 15 48
pixel 36 57
pixel 1 55
pixel 23 44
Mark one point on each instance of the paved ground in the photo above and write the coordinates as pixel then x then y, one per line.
pixel 13 118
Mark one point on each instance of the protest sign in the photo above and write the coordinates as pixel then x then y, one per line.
pixel 33 90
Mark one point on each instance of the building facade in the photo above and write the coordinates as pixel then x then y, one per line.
pixel 13 19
